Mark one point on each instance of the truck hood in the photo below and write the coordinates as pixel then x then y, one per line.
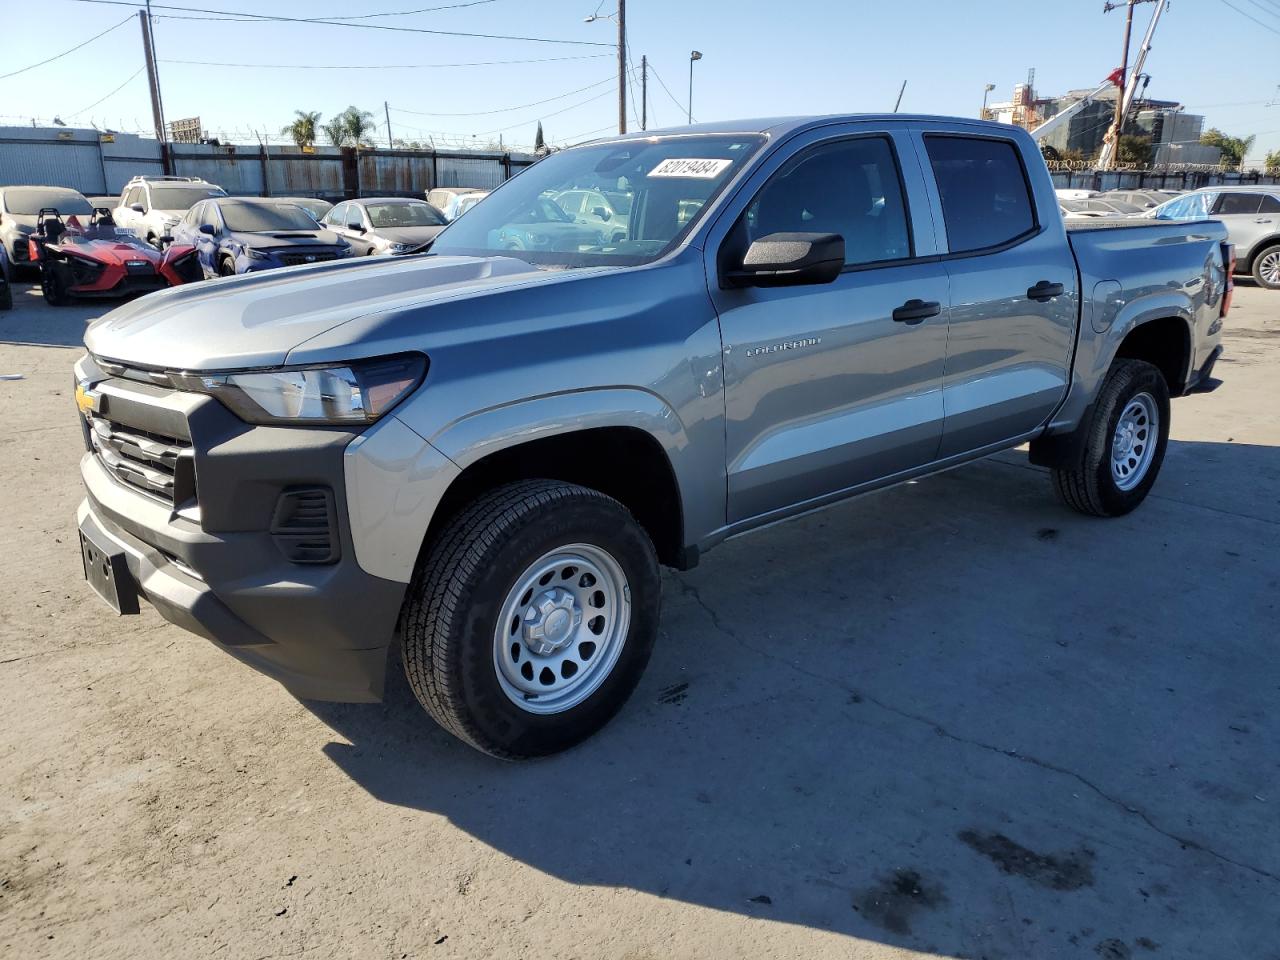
pixel 256 319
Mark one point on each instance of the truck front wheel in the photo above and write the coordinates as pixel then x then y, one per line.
pixel 1122 446
pixel 531 618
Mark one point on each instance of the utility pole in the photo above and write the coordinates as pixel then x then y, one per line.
pixel 387 112
pixel 622 66
pixel 694 57
pixel 155 70
pixel 644 92
pixel 1111 142
pixel 1116 124
pixel 156 117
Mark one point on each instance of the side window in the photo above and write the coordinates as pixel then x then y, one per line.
pixel 850 187
pixel 133 196
pixel 211 217
pixel 1270 204
pixel 336 215
pixel 192 219
pixel 986 200
pixel 1229 203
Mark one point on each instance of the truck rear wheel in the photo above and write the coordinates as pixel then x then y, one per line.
pixel 1123 444
pixel 531 618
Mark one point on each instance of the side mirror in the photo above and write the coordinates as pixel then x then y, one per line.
pixel 790 259
pixel 356 225
pixel 602 213
pixel 166 239
pixel 207 228
pixel 137 208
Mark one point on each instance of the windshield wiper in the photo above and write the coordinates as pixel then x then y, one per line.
pixel 420 248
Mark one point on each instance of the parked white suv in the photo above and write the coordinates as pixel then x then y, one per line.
pixel 152 206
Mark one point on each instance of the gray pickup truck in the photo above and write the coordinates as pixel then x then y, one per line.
pixel 487 452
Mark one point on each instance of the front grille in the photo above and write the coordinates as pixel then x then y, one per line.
pixel 296 259
pixel 160 466
pixel 139 268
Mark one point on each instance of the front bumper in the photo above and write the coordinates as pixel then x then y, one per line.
pixel 213 566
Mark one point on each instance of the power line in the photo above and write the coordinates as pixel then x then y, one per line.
pixel 1270 11
pixel 251 18
pixel 523 106
pixel 1249 16
pixel 273 18
pixel 655 72
pixel 132 77
pixel 383 66
pixel 65 52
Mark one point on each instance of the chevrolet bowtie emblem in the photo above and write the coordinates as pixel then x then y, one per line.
pixel 88 401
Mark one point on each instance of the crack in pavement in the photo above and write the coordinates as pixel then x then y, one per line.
pixel 690 591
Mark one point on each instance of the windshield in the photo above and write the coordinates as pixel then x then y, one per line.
pixel 27 201
pixel 407 214
pixel 182 198
pixel 260 217
pixel 667 181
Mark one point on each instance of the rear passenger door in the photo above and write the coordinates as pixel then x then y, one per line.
pixel 1245 221
pixel 831 386
pixel 1014 301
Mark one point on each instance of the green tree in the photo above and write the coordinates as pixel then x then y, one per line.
pixel 336 131
pixel 359 126
pixel 1134 150
pixel 303 129
pixel 1272 162
pixel 1233 148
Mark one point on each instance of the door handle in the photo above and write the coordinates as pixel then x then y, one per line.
pixel 1044 290
pixel 916 311
pixel 1263 220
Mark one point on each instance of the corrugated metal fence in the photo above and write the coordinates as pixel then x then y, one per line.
pixel 98 164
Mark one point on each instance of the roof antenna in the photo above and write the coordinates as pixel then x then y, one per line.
pixel 900 93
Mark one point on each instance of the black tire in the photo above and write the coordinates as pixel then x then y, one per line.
pixel 1087 484
pixel 450 614
pixel 1265 265
pixel 54 281
pixel 226 267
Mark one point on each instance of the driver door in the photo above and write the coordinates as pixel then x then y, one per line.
pixel 832 386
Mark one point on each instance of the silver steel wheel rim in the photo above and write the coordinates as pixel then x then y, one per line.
pixel 561 628
pixel 1133 445
pixel 1270 268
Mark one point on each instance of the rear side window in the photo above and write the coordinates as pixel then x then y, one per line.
pixel 1238 203
pixel 986 200
pixel 1270 204
pixel 850 187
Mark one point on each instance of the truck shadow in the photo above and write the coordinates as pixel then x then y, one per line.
pixel 33 322
pixel 953 718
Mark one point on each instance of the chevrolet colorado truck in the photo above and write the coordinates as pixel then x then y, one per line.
pixel 485 454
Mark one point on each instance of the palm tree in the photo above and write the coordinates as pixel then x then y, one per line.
pixel 1233 148
pixel 359 126
pixel 303 129
pixel 336 131
pixel 1272 162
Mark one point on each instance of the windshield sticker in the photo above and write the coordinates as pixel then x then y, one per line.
pixel 690 167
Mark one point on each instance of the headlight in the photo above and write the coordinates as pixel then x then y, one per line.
pixel 400 247
pixel 253 254
pixel 359 392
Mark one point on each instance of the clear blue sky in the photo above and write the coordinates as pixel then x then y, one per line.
pixel 761 57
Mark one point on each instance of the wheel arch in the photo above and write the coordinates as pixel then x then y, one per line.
pixel 1245 265
pixel 625 443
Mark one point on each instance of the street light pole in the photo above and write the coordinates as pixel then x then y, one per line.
pixel 985 91
pixel 693 55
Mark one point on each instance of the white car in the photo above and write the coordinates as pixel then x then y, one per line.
pixel 1071 193
pixel 152 206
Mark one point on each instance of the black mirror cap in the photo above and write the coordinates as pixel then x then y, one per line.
pixel 137 208
pixel 357 227
pixel 207 228
pixel 167 238
pixel 790 259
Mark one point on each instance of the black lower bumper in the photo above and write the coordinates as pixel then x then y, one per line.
pixel 322 631
pixel 1202 380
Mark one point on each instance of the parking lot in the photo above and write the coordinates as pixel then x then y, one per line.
pixel 952 719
